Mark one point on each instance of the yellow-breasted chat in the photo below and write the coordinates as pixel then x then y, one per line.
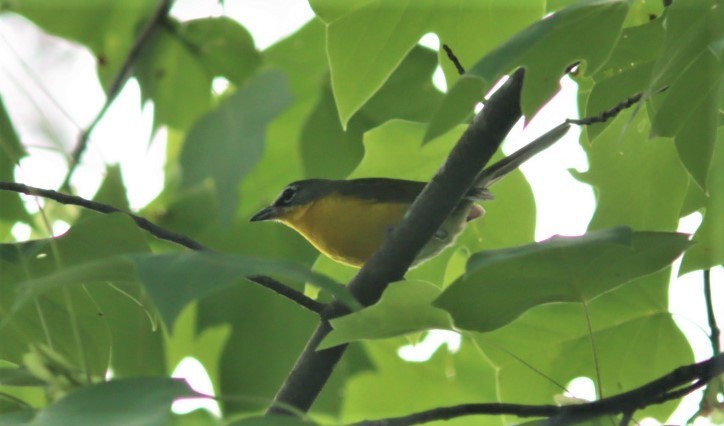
pixel 348 220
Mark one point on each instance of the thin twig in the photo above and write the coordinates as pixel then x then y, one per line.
pixel 142 222
pixel 654 392
pixel 119 81
pixel 289 293
pixel 713 327
pixel 164 234
pixel 626 418
pixel 608 114
pixel 454 59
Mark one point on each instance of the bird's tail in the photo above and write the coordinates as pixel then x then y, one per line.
pixel 492 174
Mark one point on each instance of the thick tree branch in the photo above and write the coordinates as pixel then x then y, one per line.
pixel 657 391
pixel 474 149
pixel 161 233
pixel 119 81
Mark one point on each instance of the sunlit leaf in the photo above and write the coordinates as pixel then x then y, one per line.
pixel 227 143
pixel 708 249
pixel 500 285
pixel 137 401
pixel 405 307
pixel 380 42
pixel 175 279
pixel 11 208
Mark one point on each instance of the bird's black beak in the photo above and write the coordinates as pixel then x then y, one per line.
pixel 267 213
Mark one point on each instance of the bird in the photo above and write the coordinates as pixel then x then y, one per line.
pixel 348 220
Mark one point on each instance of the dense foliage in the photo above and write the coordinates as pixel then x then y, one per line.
pixel 349 95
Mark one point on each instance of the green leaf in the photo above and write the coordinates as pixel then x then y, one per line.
pixel 11 151
pixel 226 143
pixel 18 377
pixel 585 31
pixel 380 42
pixel 405 307
pixel 223 47
pixel 258 318
pixel 21 417
pixel 456 105
pixel 626 73
pixel 80 256
pixel 171 75
pixel 108 269
pixel 692 66
pixel 447 378
pixel 627 173
pixel 173 280
pixel 323 132
pixel 501 285
pixel 277 420
pixel 137 401
pixel 694 127
pixel 626 338
pixel 303 59
pixel 708 249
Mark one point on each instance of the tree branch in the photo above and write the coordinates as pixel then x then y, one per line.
pixel 454 59
pixel 713 327
pixel 119 81
pixel 654 392
pixel 164 234
pixel 474 149
pixel 289 293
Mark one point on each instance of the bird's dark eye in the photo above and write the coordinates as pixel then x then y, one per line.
pixel 286 196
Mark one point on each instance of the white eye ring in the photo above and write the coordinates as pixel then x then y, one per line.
pixel 287 195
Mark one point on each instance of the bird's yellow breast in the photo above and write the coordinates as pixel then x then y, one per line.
pixel 349 230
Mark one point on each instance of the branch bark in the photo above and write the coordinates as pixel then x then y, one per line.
pixel 472 152
pixel 164 234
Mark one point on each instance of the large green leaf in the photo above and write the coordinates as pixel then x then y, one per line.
pixel 638 183
pixel 691 64
pixel 585 32
pixel 267 335
pixel 173 280
pixel 108 318
pixel 227 143
pixel 621 341
pixel 708 250
pixel 303 58
pixel 383 32
pixel 177 68
pixel 405 307
pixel 323 136
pixel 447 378
pixel 171 76
pixel 501 285
pixel 223 47
pixel 137 401
pixel 11 208
pixel 626 73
